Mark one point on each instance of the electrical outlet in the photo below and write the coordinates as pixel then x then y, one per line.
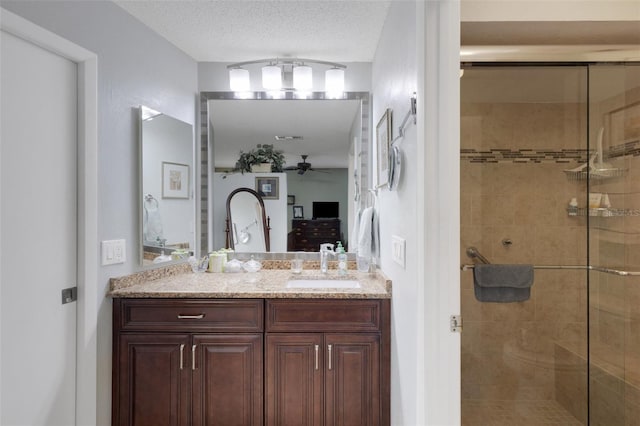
pixel 398 246
pixel 114 251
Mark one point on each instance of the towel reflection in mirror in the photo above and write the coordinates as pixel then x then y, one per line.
pixel 152 222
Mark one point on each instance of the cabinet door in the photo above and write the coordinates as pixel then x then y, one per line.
pixel 294 379
pixel 352 379
pixel 153 380
pixel 227 380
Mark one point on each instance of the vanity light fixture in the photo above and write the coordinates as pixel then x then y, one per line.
pixel 289 75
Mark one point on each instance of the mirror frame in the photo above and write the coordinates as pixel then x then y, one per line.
pixel 207 167
pixel 265 225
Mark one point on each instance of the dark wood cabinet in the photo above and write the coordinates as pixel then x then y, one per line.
pixel 308 234
pixel 352 379
pixel 294 379
pixel 278 362
pixel 211 373
pixel 153 389
pixel 322 377
pixel 227 383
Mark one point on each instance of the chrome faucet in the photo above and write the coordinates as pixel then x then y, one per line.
pixel 325 250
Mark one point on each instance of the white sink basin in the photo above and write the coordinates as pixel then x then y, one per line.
pixel 328 283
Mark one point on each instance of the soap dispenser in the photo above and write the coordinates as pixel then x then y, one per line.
pixel 573 207
pixel 342 259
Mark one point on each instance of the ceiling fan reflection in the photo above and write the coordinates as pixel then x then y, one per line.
pixel 303 167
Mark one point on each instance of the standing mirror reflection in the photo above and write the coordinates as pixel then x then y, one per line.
pixel 247 226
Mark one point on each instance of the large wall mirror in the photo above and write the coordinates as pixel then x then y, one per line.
pixel 325 143
pixel 167 213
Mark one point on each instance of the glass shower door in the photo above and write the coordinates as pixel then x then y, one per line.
pixel 522 127
pixel 614 243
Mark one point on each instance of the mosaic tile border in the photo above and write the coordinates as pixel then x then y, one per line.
pixel 502 155
pixel 524 156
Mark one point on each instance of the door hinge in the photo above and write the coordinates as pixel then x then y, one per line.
pixel 455 323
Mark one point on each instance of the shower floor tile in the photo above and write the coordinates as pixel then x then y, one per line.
pixel 521 413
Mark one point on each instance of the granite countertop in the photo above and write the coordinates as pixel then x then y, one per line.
pixel 180 282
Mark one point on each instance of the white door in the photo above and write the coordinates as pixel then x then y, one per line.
pixel 38 230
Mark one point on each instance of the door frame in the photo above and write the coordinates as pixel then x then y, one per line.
pixel 438 208
pixel 87 197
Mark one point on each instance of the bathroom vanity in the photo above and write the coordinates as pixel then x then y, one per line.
pixel 243 349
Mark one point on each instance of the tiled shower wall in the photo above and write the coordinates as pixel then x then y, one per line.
pixel 513 188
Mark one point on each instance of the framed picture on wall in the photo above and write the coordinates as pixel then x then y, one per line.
pixel 267 187
pixel 298 212
pixel 175 180
pixel 383 140
pixel 291 200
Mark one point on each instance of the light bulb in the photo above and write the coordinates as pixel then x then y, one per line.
pixel 271 77
pixel 334 82
pixel 239 80
pixel 303 78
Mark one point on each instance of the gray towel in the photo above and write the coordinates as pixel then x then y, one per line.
pixel 502 283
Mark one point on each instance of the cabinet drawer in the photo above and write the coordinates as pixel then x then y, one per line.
pixel 237 315
pixel 294 315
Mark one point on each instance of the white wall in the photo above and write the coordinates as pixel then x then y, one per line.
pixel 135 66
pixel 394 81
pixel 419 52
pixel 223 184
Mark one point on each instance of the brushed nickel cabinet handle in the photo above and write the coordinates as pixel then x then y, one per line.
pixel 329 348
pixel 193 357
pixel 317 347
pixel 180 316
pixel 181 356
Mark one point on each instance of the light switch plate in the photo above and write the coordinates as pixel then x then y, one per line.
pixel 114 251
pixel 398 247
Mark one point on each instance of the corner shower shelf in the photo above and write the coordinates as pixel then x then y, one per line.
pixel 598 175
pixel 602 212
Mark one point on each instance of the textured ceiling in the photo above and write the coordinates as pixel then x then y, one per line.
pixel 234 31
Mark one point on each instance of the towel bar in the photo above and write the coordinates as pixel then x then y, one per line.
pixel 585 267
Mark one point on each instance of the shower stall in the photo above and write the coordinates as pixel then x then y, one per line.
pixel 550 176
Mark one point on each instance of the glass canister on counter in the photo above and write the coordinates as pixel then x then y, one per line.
pixel 179 254
pixel 217 260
